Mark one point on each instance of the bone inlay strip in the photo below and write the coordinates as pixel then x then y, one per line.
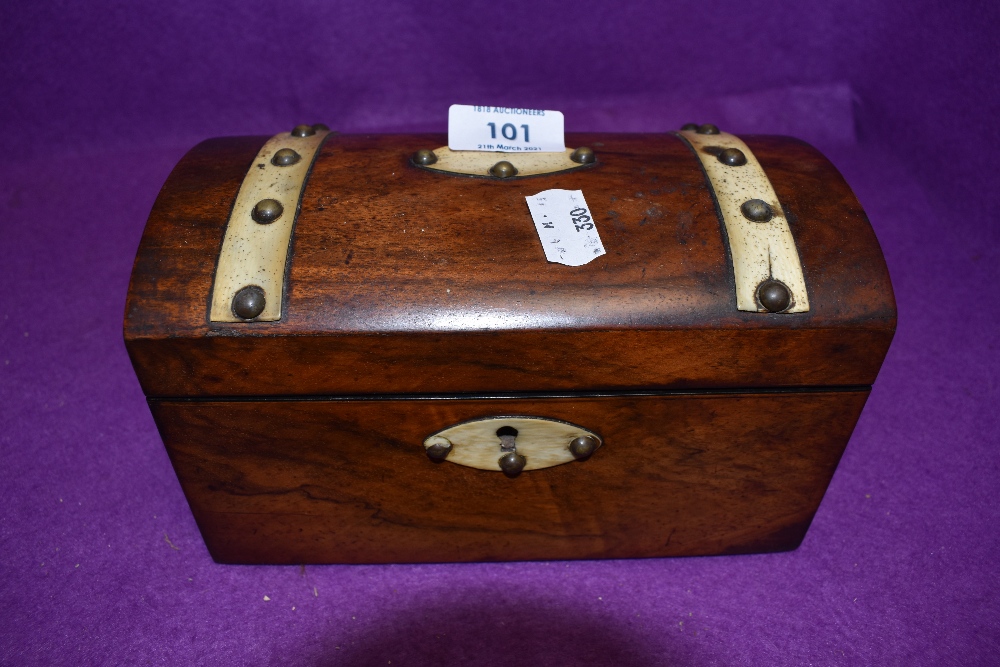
pixel 478 163
pixel 760 250
pixel 254 253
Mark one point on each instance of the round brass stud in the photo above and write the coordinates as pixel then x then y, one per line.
pixel 707 128
pixel 303 131
pixel 248 302
pixel 321 127
pixel 285 157
pixel 733 157
pixel 689 127
pixel 503 169
pixel 583 155
pixel 512 464
pixel 438 452
pixel 582 447
pixel 774 296
pixel 757 210
pixel 424 156
pixel 267 211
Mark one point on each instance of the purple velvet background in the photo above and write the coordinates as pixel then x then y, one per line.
pixel 101 560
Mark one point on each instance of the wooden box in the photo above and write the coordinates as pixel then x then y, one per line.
pixel 404 298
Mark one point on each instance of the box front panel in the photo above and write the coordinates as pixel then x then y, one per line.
pixel 348 481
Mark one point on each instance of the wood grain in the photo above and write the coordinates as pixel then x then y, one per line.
pixel 329 481
pixel 407 281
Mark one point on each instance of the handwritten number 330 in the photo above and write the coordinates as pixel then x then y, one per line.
pixel 580 219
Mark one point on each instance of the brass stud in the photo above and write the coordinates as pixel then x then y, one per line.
pixel 512 464
pixel 503 169
pixel 303 131
pixel 583 155
pixel 249 302
pixel 689 127
pixel 707 128
pixel 321 127
pixel 773 295
pixel 733 157
pixel 581 448
pixel 438 452
pixel 285 157
pixel 757 210
pixel 424 156
pixel 267 211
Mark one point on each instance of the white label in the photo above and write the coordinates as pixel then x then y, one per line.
pixel 565 227
pixel 505 129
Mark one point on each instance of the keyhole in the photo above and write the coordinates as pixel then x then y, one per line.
pixel 507 435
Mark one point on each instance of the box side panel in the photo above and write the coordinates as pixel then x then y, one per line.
pixel 174 265
pixel 841 257
pixel 330 481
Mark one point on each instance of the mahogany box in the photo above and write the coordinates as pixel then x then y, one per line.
pixel 355 350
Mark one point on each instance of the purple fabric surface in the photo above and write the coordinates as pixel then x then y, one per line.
pixel 102 562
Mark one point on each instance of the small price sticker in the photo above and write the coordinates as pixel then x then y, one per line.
pixel 505 129
pixel 565 227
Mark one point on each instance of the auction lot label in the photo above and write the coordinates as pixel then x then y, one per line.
pixel 505 129
pixel 565 227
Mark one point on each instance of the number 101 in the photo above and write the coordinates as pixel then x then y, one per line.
pixel 508 131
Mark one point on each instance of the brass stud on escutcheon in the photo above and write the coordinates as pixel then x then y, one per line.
pixel 285 157
pixel 424 156
pixel 438 451
pixel 249 302
pixel 583 155
pixel 707 128
pixel 267 211
pixel 303 131
pixel 581 448
pixel 512 464
pixel 321 127
pixel 774 296
pixel 503 169
pixel 689 127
